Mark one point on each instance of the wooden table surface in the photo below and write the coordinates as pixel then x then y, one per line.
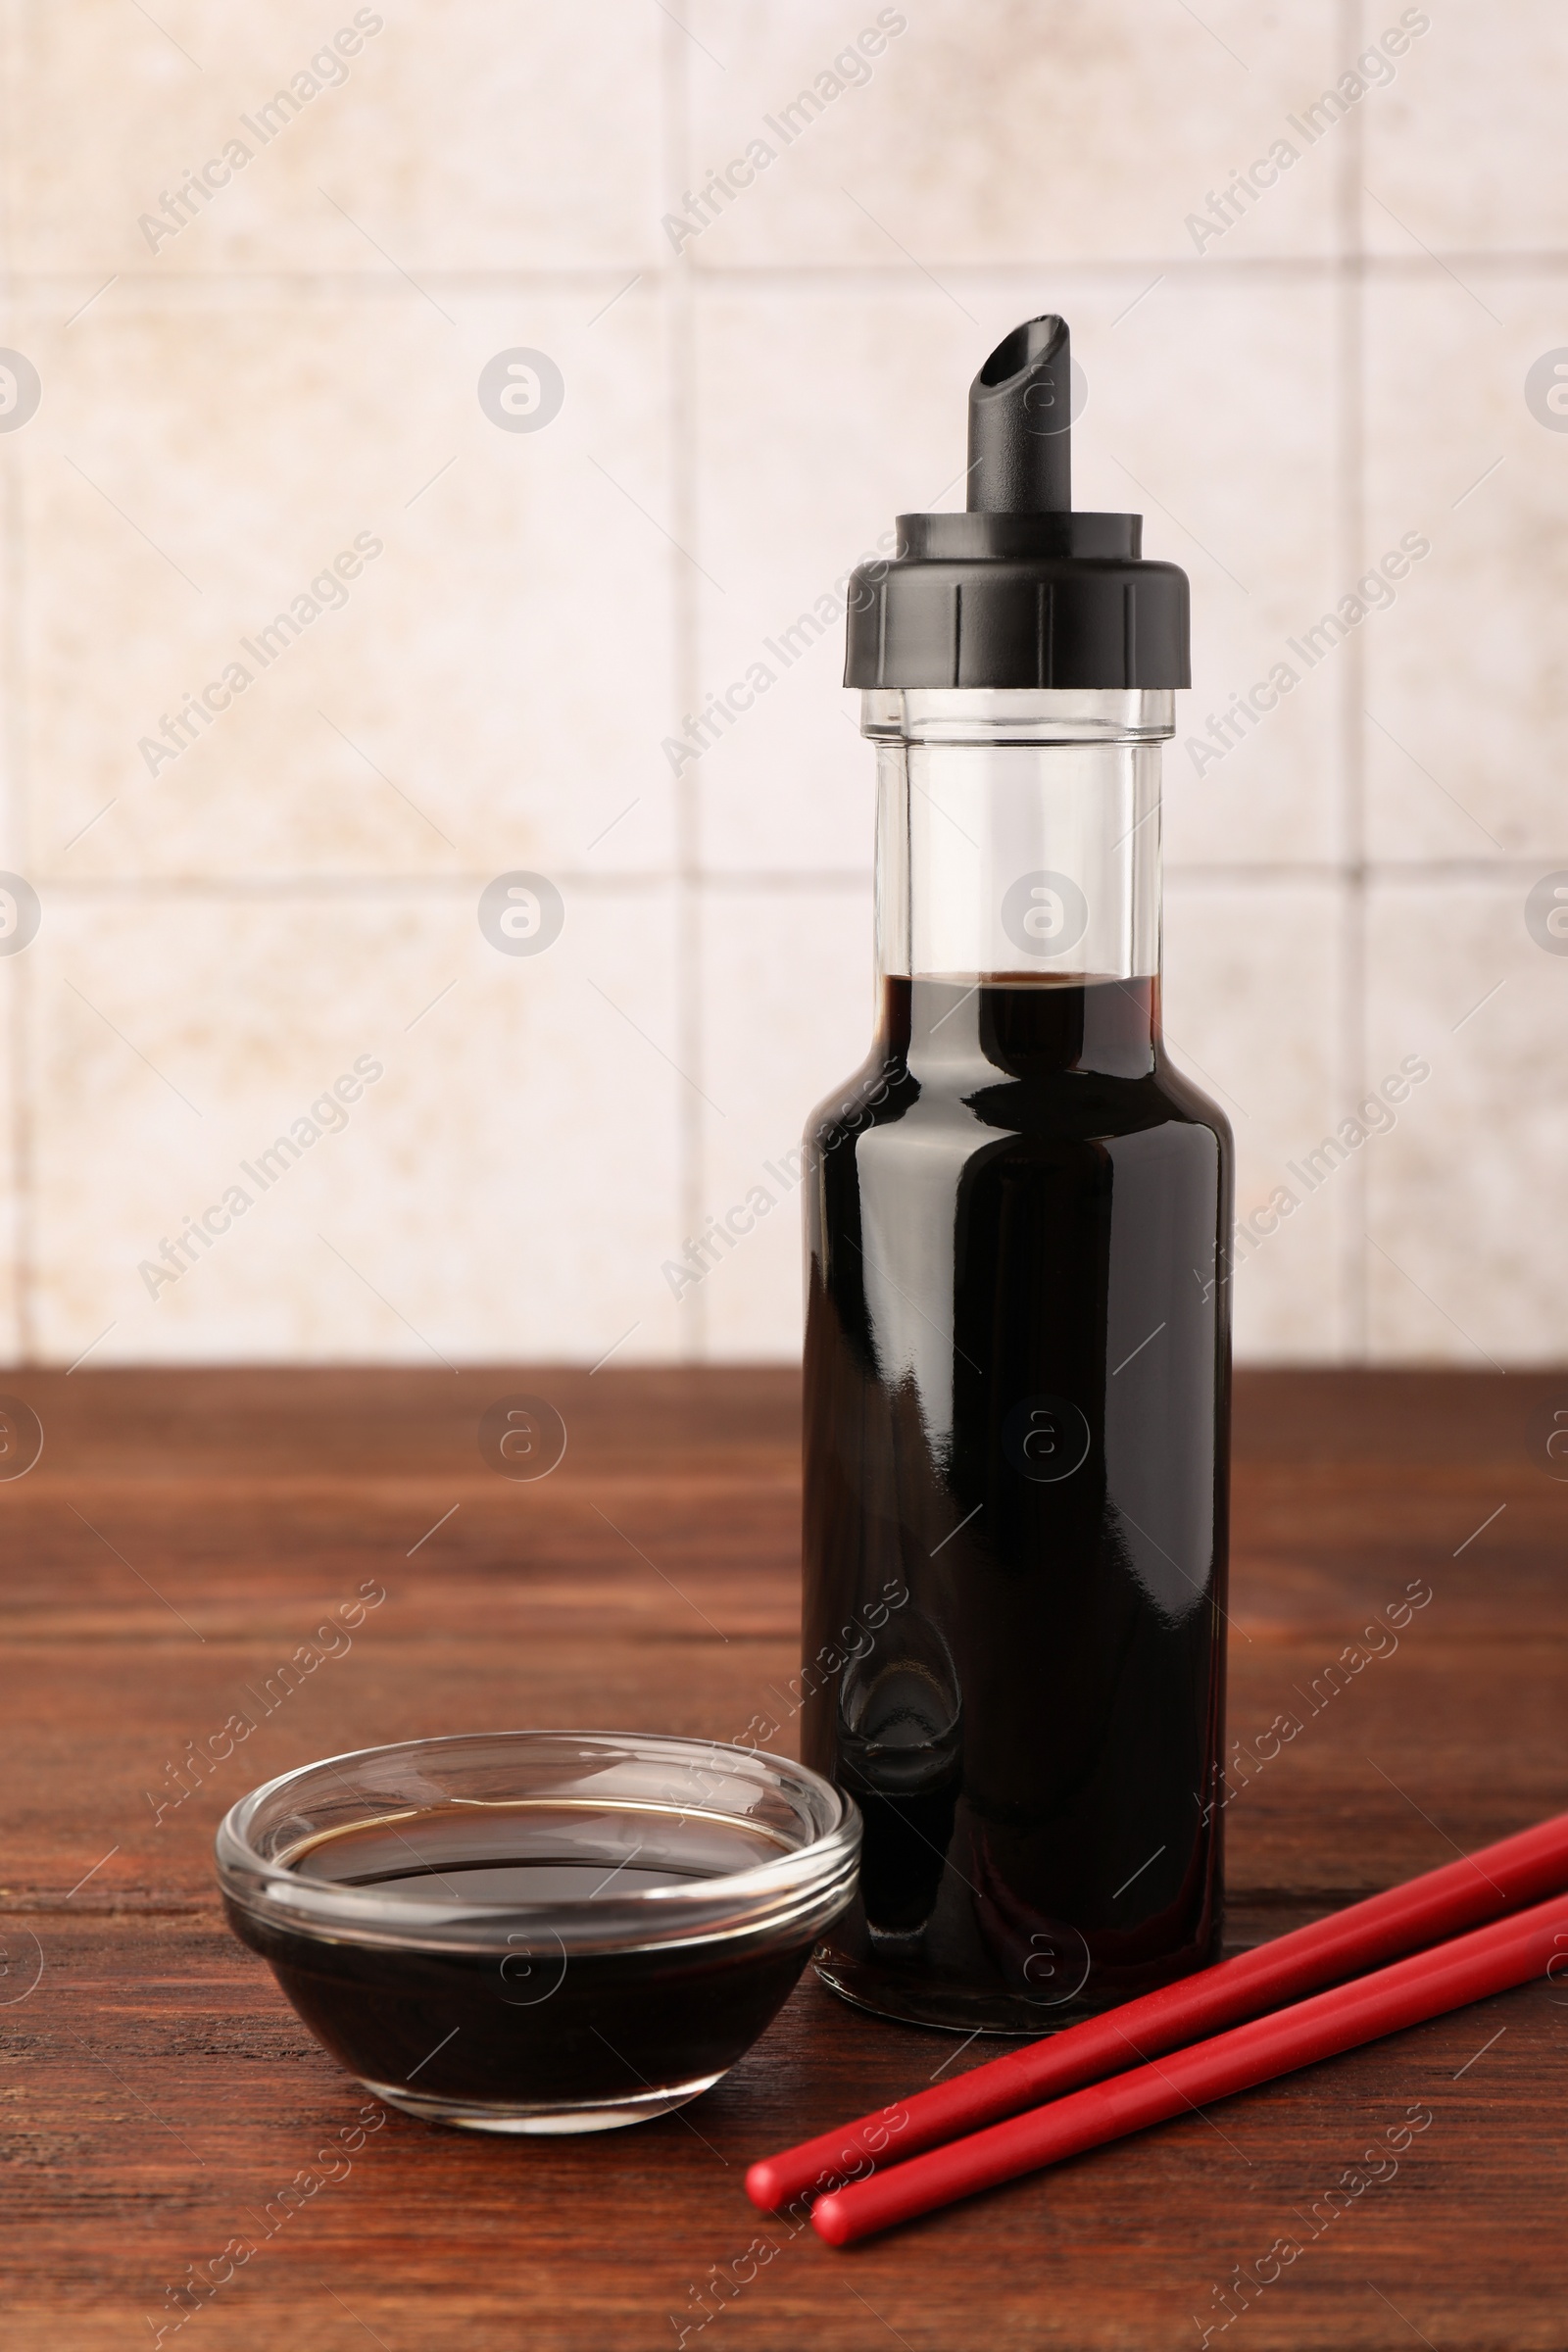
pixel 184 1532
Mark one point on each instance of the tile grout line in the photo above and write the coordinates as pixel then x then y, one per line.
pixel 17 829
pixel 1198 873
pixel 459 883
pixel 18 1121
pixel 678 298
pixel 192 286
pixel 1350 372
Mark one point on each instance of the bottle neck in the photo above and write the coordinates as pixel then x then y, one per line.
pixel 1019 873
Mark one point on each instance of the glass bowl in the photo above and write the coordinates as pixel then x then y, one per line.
pixel 539 1931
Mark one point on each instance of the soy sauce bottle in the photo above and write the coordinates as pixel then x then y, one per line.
pixel 1017 1346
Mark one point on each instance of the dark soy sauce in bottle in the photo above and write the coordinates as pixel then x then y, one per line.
pixel 1017 1340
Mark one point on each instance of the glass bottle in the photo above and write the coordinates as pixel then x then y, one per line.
pixel 1017 1342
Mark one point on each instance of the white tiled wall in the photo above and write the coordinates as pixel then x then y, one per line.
pixel 1284 395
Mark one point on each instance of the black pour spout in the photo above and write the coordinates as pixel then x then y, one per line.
pixel 1021 427
pixel 1022 592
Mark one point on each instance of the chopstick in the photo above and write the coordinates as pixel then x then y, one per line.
pixel 1471 1968
pixel 1501 1878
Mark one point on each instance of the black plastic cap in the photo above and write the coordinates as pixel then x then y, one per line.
pixel 1019 591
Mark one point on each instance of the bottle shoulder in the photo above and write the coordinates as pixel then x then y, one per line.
pixel 1087 1106
pixel 878 1091
pixel 1192 1103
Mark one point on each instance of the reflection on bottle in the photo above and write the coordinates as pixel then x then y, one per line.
pixel 901 1755
pixel 1045 1961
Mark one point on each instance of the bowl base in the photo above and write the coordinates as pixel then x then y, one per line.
pixel 482 2115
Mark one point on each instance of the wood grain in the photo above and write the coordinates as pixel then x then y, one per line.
pixel 184 1534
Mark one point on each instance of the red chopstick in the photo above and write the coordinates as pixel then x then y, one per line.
pixel 1472 1967
pixel 1496 1879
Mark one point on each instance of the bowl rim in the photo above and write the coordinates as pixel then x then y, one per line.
pixel 798 1891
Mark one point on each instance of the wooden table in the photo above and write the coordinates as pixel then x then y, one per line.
pixel 184 1532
